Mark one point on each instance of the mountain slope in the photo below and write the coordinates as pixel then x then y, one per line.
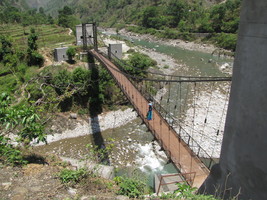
pixel 104 9
pixel 21 4
pixel 36 3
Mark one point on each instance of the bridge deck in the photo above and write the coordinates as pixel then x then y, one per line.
pixel 181 155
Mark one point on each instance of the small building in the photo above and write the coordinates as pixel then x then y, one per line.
pixel 60 54
pixel 89 35
pixel 115 50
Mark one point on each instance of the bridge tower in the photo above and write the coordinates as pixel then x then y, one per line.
pixel 88 34
pixel 242 169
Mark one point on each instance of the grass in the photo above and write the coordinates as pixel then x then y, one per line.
pixel 51 36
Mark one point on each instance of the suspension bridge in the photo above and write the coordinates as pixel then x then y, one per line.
pixel 187 154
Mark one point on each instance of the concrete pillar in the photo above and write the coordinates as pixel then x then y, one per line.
pixel 60 54
pixel 115 51
pixel 242 169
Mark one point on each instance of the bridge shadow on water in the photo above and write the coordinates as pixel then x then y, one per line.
pixel 95 108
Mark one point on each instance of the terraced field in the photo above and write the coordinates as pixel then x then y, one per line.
pixel 50 36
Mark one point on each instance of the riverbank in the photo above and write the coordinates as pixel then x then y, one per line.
pixel 80 127
pixel 192 46
pixel 166 63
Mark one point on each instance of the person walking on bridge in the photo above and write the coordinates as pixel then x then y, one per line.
pixel 149 113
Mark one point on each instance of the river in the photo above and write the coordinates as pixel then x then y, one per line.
pixel 135 153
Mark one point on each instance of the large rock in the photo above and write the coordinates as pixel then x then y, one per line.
pixel 103 171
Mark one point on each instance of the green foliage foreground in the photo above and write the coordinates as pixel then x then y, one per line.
pixel 23 122
pixel 130 187
pixel 70 177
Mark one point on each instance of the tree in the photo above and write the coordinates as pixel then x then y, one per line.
pixel 24 122
pixel 11 61
pixel 151 18
pixel 62 81
pixel 66 18
pixel 81 79
pixel 71 53
pixel 177 10
pixel 50 20
pixel 205 24
pixel 6 46
pixel 32 41
pixel 34 58
pixel 41 10
pixel 217 16
pixel 66 11
pixel 138 64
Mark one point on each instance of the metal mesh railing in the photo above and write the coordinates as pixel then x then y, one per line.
pixel 196 149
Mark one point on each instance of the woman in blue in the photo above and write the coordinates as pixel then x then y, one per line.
pixel 149 113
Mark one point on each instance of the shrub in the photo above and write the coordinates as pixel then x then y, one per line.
pixel 81 79
pixel 138 64
pixel 226 41
pixel 23 118
pixel 34 58
pixel 62 81
pixel 9 154
pixel 130 187
pixel 71 53
pixel 71 177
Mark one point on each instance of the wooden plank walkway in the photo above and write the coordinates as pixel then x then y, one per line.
pixel 181 155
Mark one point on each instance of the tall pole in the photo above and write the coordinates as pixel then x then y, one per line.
pixel 242 169
pixel 84 37
pixel 95 36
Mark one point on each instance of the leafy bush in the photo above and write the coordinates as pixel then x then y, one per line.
pixel 71 53
pixel 34 58
pixel 23 118
pixel 11 61
pixel 138 64
pixel 71 177
pixel 62 81
pixel 130 187
pixel 81 79
pixel 24 121
pixel 6 46
pixel 9 154
pixel 226 41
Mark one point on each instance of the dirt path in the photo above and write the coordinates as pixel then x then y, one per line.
pixel 38 181
pixel 70 31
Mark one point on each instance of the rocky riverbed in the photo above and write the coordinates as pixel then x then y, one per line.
pixel 205 118
pixel 118 118
pixel 82 127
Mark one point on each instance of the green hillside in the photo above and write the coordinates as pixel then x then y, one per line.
pixel 36 3
pixel 22 4
pixel 49 35
pixel 170 19
pixel 98 9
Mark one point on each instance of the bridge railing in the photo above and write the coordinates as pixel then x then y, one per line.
pixel 204 157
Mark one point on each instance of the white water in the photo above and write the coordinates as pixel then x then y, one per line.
pixel 150 158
